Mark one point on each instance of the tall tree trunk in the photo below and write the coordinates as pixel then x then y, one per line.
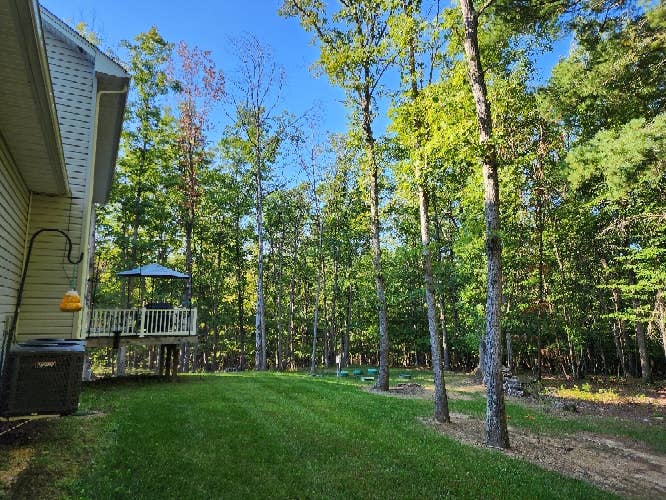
pixel 320 272
pixel 348 320
pixel 327 329
pixel 292 310
pixel 446 355
pixel 280 361
pixel 190 193
pixel 646 372
pixel 334 307
pixel 509 345
pixel 260 320
pixel 240 292
pixel 441 400
pixel 660 313
pixel 539 191
pixel 446 352
pixel 540 309
pixel 375 230
pixel 496 429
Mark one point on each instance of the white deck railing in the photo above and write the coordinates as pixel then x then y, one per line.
pixel 143 322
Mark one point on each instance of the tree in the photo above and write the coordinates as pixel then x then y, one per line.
pixel 406 30
pixel 613 168
pixel 355 56
pixel 137 197
pixel 496 429
pixel 261 133
pixel 310 158
pixel 200 87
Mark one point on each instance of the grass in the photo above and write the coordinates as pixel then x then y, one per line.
pixel 541 419
pixel 280 436
pixel 252 435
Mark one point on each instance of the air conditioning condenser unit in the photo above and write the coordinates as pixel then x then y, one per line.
pixel 42 377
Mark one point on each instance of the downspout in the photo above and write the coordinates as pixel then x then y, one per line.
pixel 86 230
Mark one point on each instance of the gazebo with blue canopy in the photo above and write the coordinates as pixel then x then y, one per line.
pixel 150 324
pixel 152 270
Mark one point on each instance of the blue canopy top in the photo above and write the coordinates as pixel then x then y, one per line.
pixel 153 271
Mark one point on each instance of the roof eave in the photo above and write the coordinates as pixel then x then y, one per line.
pixel 28 17
pixel 111 100
pixel 112 87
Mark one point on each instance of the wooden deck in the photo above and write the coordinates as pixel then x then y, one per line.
pixel 118 327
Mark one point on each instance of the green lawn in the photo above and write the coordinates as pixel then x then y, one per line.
pixel 270 436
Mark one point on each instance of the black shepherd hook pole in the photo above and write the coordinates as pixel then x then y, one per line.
pixel 12 330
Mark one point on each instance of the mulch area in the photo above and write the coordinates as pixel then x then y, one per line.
pixel 622 466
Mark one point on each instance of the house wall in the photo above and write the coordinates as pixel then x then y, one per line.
pixel 49 276
pixel 14 207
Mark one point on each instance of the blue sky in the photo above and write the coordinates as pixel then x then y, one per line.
pixel 210 25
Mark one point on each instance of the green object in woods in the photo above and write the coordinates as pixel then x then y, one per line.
pixel 373 371
pixel 357 372
pixel 406 376
pixel 343 373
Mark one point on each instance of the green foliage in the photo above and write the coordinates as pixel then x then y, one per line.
pixel 581 189
pixel 133 227
pixel 626 159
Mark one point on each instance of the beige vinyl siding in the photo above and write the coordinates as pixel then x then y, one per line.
pixel 14 206
pixel 72 74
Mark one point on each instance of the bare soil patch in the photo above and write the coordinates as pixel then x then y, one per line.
pixel 617 464
pixel 622 466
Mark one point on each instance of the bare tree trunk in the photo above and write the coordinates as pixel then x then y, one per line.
pixel 348 320
pixel 646 372
pixel 240 291
pixel 446 355
pixel 496 428
pixel 188 257
pixel 509 346
pixel 280 362
pixel 292 310
pixel 260 322
pixel 383 376
pixel 334 307
pixel 327 329
pixel 540 310
pixel 320 272
pixel 315 325
pixel 121 362
pixel 660 312
pixel 618 333
pixel 441 400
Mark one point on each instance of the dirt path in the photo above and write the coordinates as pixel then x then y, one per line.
pixel 622 466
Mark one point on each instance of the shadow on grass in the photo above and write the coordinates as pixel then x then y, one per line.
pixel 138 380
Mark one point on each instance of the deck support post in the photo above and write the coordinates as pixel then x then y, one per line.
pixel 161 359
pixel 174 360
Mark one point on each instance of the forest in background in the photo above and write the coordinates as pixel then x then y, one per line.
pixel 280 224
